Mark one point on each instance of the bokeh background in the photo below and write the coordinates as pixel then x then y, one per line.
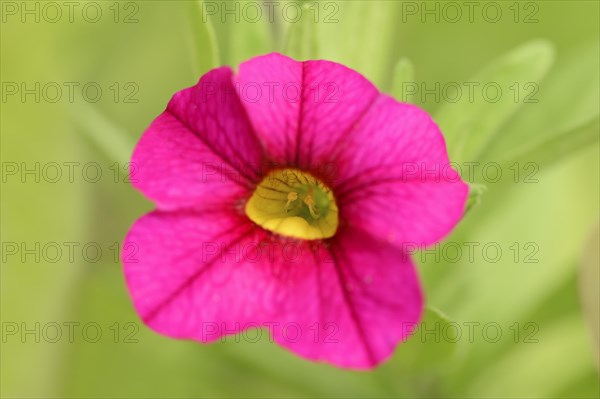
pixel 541 293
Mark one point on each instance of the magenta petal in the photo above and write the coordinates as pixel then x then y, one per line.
pixel 201 276
pixel 395 180
pixel 180 285
pixel 303 110
pixel 201 151
pixel 362 299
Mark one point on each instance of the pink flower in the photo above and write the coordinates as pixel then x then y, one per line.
pixel 287 197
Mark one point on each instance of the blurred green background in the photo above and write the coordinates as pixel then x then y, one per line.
pixel 140 53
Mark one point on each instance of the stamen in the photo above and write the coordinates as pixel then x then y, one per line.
pixel 292 196
pixel 310 203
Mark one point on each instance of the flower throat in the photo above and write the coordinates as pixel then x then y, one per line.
pixel 295 204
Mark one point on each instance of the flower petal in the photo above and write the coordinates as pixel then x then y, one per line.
pixel 204 275
pixel 302 110
pixel 394 177
pixel 184 277
pixel 362 299
pixel 201 150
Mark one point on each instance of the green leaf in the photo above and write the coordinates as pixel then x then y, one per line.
pixel 589 288
pixel 419 363
pixel 538 245
pixel 548 150
pixel 472 121
pixel 205 52
pixel 431 345
pixel 403 73
pixel 238 37
pixel 301 37
pixel 476 191
pixel 101 132
pixel 561 340
pixel 568 104
pixel 362 35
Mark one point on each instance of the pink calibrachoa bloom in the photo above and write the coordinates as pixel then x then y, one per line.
pixel 286 195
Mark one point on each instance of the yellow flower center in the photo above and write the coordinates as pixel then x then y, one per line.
pixel 295 204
